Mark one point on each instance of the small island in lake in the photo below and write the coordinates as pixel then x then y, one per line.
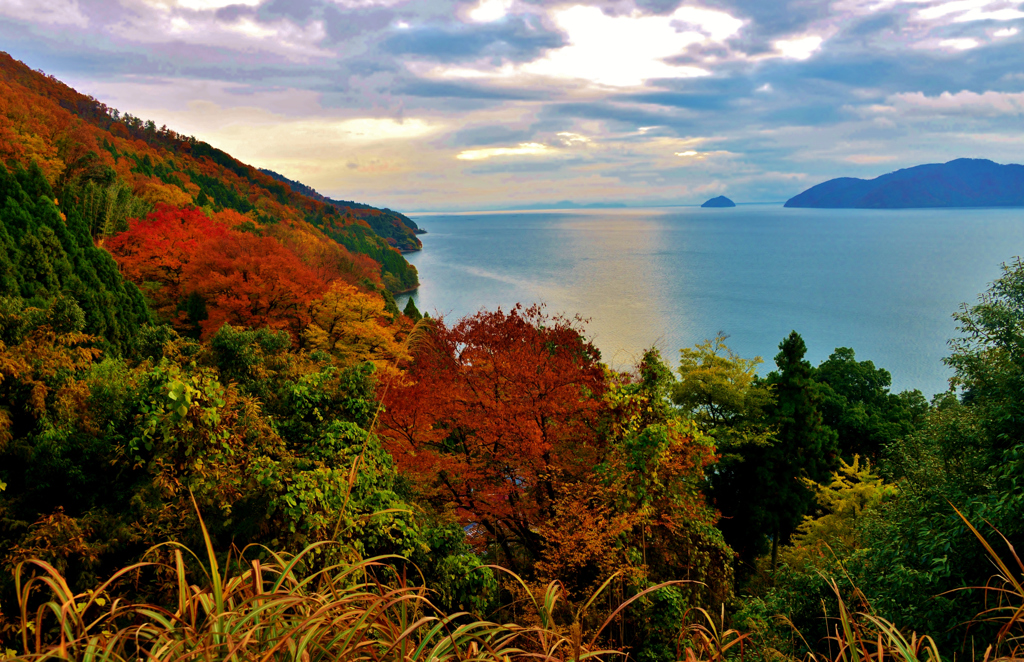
pixel 720 201
pixel 959 183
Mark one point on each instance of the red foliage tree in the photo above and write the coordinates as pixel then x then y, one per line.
pixel 498 410
pixel 157 249
pixel 242 278
pixel 253 282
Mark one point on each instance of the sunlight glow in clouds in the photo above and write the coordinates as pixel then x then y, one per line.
pixel 641 45
pixel 962 44
pixel 1005 32
pixel 384 129
pixel 799 48
pixel 524 149
pixel 490 10
pixel 571 139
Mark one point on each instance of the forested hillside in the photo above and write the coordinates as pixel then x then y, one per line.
pixel 398 229
pixel 220 439
pixel 119 166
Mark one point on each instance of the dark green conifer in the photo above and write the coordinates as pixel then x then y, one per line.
pixel 78 228
pixel 33 181
pixel 16 218
pixel 804 447
pixel 48 215
pixel 37 275
pixel 411 312
pixel 56 254
pixel 390 307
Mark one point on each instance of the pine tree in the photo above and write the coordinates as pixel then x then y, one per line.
pixel 411 311
pixel 38 277
pixel 804 448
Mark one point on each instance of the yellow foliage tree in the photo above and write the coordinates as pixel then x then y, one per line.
pixel 854 489
pixel 353 326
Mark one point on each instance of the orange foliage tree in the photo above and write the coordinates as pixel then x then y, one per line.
pixel 353 326
pixel 236 277
pixel 499 409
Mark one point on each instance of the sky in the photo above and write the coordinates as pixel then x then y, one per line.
pixel 430 105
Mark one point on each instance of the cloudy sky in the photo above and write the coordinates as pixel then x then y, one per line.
pixel 457 105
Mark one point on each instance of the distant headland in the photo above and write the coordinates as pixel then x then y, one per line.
pixel 720 201
pixel 959 183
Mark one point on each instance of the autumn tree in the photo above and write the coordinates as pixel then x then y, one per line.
pixel 353 326
pixel 500 408
pixel 240 278
pixel 720 392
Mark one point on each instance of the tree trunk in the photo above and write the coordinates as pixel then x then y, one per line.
pixel 775 550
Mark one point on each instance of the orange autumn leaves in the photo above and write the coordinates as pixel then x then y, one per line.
pixel 201 272
pixel 496 412
pixel 510 422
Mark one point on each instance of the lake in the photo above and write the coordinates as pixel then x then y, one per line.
pixel 884 282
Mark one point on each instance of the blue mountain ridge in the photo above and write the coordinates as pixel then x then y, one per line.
pixel 959 183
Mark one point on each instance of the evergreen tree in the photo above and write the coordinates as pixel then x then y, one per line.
pixel 33 181
pixel 38 277
pixel 719 391
pixel 411 311
pixel 804 447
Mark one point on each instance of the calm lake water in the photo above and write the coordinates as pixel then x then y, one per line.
pixel 884 282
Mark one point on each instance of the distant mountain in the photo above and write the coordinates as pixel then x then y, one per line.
pixel 720 201
pixel 959 183
pixel 568 204
pixel 398 229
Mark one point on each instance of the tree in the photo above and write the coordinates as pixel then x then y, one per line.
pixel 411 311
pixel 499 408
pixel 240 278
pixel 804 448
pixel 855 402
pixel 969 453
pixel 720 392
pixel 352 325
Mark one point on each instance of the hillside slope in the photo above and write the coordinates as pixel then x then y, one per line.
pixel 398 229
pixel 959 183
pixel 121 167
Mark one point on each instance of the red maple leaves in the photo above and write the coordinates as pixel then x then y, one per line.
pixel 242 278
pixel 500 408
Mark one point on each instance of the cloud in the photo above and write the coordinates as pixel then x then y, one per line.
pixel 643 44
pixel 959 44
pixel 376 100
pixel 869 159
pixel 799 48
pixel 513 40
pixel 49 12
pixel 986 104
pixel 490 10
pixel 963 11
pixel 243 33
pixel 202 5
pixel 524 149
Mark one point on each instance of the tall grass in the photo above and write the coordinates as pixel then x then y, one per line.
pixel 860 635
pixel 273 610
